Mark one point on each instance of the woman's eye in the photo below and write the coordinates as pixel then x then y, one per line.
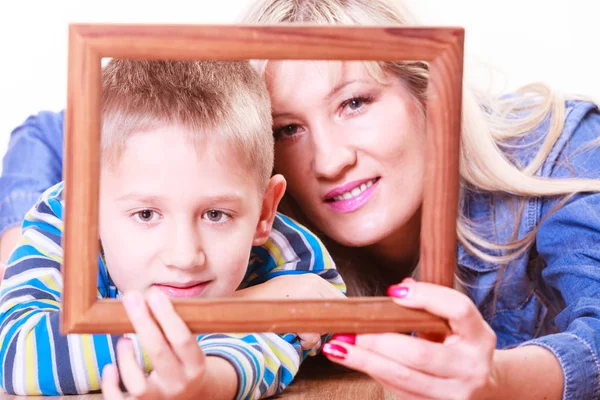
pixel 146 216
pixel 286 131
pixel 356 104
pixel 216 216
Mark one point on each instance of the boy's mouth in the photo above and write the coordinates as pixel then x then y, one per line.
pixel 183 290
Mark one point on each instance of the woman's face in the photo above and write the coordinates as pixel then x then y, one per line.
pixel 352 149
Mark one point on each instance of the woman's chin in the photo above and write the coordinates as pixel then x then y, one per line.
pixel 354 238
pixel 368 230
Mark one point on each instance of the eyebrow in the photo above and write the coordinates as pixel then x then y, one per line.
pixel 337 88
pixel 153 199
pixel 342 85
pixel 225 198
pixel 140 197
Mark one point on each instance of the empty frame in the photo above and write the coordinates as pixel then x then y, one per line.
pixel 442 48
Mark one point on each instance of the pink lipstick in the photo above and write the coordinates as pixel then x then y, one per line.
pixel 351 196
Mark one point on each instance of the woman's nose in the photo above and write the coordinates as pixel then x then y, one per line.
pixel 333 153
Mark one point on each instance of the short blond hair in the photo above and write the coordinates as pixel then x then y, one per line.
pixel 214 100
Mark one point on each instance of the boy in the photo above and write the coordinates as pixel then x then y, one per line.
pixel 186 199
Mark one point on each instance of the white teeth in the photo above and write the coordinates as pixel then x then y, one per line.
pixel 354 192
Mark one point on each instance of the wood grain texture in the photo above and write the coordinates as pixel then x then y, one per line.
pixel 81 175
pixel 441 186
pixel 370 314
pixel 441 47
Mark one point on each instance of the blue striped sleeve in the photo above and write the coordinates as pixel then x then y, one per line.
pixel 35 359
pixel 291 249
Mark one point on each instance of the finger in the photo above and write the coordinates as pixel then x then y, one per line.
pixel 110 383
pixel 164 361
pixel 428 357
pixel 394 374
pixel 176 332
pixel 309 340
pixel 462 314
pixel 132 375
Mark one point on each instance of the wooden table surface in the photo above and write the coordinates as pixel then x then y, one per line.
pixel 318 379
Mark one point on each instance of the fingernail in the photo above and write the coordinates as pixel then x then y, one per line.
pixel 156 300
pixel 124 342
pixel 349 338
pixel 408 280
pixel 335 351
pixel 132 301
pixel 398 291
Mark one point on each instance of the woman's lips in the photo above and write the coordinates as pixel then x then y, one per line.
pixel 355 202
pixel 183 291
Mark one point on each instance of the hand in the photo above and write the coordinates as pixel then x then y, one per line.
pixel 462 367
pixel 178 362
pixel 303 286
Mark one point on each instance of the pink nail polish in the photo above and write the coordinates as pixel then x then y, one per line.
pixel 398 291
pixel 335 351
pixel 349 338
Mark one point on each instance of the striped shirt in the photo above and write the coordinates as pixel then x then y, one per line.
pixel 36 359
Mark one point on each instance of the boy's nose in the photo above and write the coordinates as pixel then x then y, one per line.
pixel 183 250
pixel 190 260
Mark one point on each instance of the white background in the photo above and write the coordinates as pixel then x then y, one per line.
pixel 512 41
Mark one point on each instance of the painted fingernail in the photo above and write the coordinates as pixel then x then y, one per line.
pixel 335 351
pixel 398 291
pixel 349 338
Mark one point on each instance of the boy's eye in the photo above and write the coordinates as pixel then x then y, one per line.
pixel 216 216
pixel 146 215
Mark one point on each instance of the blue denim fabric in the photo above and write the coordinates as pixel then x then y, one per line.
pixel 549 297
pixel 32 164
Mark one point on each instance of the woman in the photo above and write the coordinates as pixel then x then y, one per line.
pixel 526 322
pixel 350 142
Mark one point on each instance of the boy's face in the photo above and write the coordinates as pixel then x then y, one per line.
pixel 181 217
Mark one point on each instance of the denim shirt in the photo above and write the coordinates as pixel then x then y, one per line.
pixel 549 297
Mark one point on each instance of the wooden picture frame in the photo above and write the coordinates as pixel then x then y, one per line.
pixel 442 48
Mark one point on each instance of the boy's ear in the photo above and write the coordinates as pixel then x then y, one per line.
pixel 273 194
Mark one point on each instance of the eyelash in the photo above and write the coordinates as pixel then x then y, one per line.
pixel 228 215
pixel 365 99
pixel 136 216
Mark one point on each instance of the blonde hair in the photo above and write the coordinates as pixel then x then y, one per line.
pixel 489 124
pixel 215 100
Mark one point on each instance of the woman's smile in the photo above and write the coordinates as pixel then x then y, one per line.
pixel 351 196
